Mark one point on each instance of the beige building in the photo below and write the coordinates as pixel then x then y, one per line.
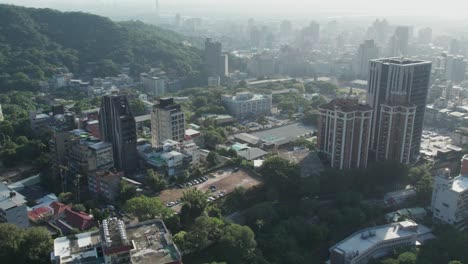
pixel 344 129
pixel 167 122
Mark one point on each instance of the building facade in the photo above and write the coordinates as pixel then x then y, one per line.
pixel 367 51
pixel 397 91
pixel 117 126
pixel 104 183
pixel 450 197
pixel 344 129
pixel 246 104
pixel 167 122
pixel 215 63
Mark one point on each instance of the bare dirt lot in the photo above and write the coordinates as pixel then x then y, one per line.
pixel 225 180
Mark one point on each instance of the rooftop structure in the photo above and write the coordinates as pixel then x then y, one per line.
pixel 246 104
pixel 450 197
pixel 13 207
pixel 145 243
pixel 373 242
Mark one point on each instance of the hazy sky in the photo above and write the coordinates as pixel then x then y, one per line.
pixel 440 8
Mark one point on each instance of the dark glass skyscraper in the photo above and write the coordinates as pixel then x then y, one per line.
pixel 118 127
pixel 397 93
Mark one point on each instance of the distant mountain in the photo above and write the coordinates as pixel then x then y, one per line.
pixel 35 41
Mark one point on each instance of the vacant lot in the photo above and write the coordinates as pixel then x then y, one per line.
pixel 225 180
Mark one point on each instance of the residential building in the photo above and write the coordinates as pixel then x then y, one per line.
pixel 215 63
pixel 344 129
pixel 87 153
pixel 105 184
pixel 450 197
pixel 397 93
pixel 399 41
pixel 374 242
pixel 170 159
pixel 13 209
pixel 117 126
pixel 167 122
pixel 115 242
pixel 246 104
pixel 455 68
pixel 152 85
pixel 425 35
pixel 367 51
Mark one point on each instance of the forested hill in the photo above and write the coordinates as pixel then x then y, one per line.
pixel 34 41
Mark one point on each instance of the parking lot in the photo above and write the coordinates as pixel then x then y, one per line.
pixel 225 181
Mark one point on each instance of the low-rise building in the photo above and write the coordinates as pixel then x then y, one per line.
pixel 13 209
pixel 115 242
pixel 170 159
pixel 416 213
pixel 374 242
pixel 400 196
pixel 450 197
pixel 246 104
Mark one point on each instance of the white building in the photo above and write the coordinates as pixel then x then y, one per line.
pixel 378 241
pixel 155 86
pixel 13 209
pixel 247 104
pixel 450 197
pixel 167 122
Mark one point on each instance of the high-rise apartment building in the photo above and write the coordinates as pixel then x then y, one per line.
pixel 425 35
pixel 215 63
pixel 344 129
pixel 455 68
pixel 399 41
pixel 117 125
pixel 367 51
pixel 397 93
pixel 167 122
pixel 450 197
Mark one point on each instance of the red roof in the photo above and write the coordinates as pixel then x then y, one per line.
pixel 79 220
pixel 38 213
pixel 59 208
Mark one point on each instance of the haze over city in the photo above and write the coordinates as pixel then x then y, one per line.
pixel 233 132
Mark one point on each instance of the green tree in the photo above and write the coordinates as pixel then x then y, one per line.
pixel 32 245
pixel 138 107
pixel 79 208
pixel 407 258
pixel 237 244
pixel 281 176
pixel 147 208
pixel 155 181
pixel 127 191
pixel 194 203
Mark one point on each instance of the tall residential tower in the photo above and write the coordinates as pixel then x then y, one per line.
pixel 397 93
pixel 344 133
pixel 167 122
pixel 118 127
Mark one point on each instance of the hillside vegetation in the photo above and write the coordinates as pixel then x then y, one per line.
pixel 33 42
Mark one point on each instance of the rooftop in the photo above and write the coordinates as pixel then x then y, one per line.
pixel 460 184
pixel 345 105
pixel 402 61
pixel 10 198
pixel 363 240
pixel 148 242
